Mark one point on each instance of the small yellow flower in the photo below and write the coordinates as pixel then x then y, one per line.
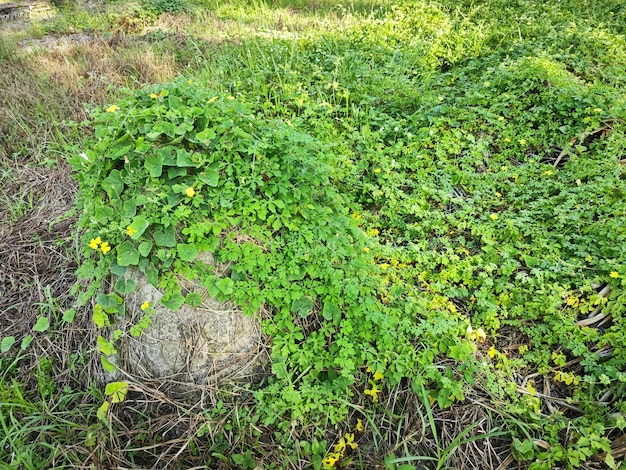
pixel 190 192
pixel 503 168
pixel 105 248
pixel 487 83
pixel 373 392
pixel 112 109
pixel 378 375
pixel 230 97
pixel 377 170
pixel 441 98
pixel 212 100
pixel 145 305
pixel 506 139
pixel 384 266
pixel 499 194
pixel 95 243
pixel 189 82
pixel 359 425
pixel 597 110
pixel 341 447
pixel 349 438
pixel 366 249
pixel 547 172
pixel 331 460
pixel 154 96
pixel 500 118
pixel 522 141
pixel 493 216
pixel 130 231
pixel 614 274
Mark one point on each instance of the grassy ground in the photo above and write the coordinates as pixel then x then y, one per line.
pixel 478 148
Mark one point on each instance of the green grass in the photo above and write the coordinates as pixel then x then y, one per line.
pixel 478 153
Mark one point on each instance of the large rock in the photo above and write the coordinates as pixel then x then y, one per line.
pixel 202 345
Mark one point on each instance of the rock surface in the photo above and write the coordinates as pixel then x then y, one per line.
pixel 202 345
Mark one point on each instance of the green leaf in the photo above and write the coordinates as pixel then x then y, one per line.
pixel 173 301
pixel 145 248
pixel 175 172
pixel 206 136
pixel 330 311
pixel 129 209
pixel 165 237
pixel 522 450
pixel 6 343
pixel 127 254
pixel 302 306
pixel 194 299
pixel 109 301
pixel 210 176
pixel 41 325
pixel 138 226
pixel 68 315
pixel 105 346
pixel 113 185
pixel 117 391
pixel 107 365
pixel 183 158
pixel 117 269
pixel 166 128
pixel 104 408
pixel 225 285
pixel 100 318
pixel 154 164
pixel 187 252
pixel 125 286
pixel 153 275
pixel 26 342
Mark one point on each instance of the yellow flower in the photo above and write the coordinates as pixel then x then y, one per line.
pixel 349 437
pixel 153 95
pixel 112 109
pixel 190 192
pixel 94 243
pixel 506 139
pixel 105 247
pixel 341 447
pixel 359 425
pixel 500 118
pixel 492 352
pixel 145 305
pixel 384 266
pixel 366 249
pixel 493 216
pixel 130 231
pixel 597 110
pixel 487 83
pixel 331 460
pixel 441 98
pixel 189 82
pixel 377 170
pixel 547 172
pixel 522 141
pixel 373 393
pixel 614 274
pixel 378 375
pixel 499 194
pixel 212 100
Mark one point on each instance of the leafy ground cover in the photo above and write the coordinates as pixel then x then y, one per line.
pixel 428 198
